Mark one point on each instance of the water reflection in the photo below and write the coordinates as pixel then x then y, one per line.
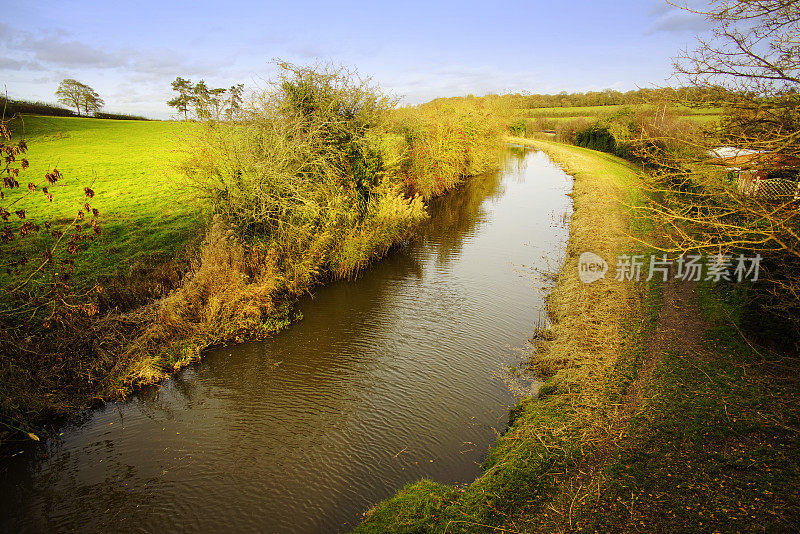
pixel 458 216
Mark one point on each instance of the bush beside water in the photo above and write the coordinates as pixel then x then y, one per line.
pixel 314 179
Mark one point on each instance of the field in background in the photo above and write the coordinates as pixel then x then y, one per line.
pixel 542 116
pixel 604 111
pixel 146 212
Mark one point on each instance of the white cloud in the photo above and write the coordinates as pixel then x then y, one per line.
pixel 57 50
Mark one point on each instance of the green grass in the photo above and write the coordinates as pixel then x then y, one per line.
pixel 717 446
pixel 701 119
pixel 146 212
pixel 571 111
pixel 711 110
pixel 568 118
pixel 699 115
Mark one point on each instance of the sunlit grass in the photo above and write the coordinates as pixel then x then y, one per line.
pixel 564 114
pixel 146 213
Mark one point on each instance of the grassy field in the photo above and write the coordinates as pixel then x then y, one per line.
pixel 149 226
pixel 146 212
pixel 698 115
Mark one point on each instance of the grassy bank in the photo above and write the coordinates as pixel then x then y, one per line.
pixel 210 232
pixel 149 221
pixel 715 443
pixel 587 357
pixel 319 178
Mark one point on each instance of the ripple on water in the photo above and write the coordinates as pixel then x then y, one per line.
pixel 389 378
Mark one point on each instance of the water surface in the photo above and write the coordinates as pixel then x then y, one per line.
pixel 392 377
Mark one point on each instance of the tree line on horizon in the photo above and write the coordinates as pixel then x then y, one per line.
pixel 607 97
pixel 71 93
pixel 199 101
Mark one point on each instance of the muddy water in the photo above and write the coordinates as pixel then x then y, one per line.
pixel 392 377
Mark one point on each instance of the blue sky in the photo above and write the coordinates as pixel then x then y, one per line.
pixel 130 51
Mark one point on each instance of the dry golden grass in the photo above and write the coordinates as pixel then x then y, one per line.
pixel 228 296
pixel 585 339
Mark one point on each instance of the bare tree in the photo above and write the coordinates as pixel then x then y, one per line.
pixel 752 60
pixel 755 47
pixel 78 95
